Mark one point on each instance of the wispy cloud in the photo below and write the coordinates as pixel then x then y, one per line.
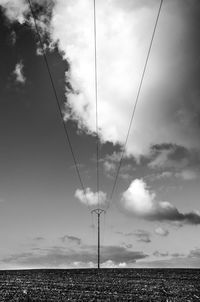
pixel 176 260
pixel 13 37
pixel 111 163
pixel 139 201
pixel 161 254
pixel 187 174
pixel 141 235
pixel 195 253
pixel 39 238
pixel 18 73
pixel 176 161
pixel 71 239
pixel 161 231
pixel 169 156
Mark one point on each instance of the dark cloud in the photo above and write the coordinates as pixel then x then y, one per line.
pixel 171 213
pixel 71 239
pixel 177 255
pixel 140 202
pixel 39 238
pixel 174 162
pixel 58 256
pixel 141 235
pixel 127 245
pixel 159 254
pixel 120 254
pixel 169 156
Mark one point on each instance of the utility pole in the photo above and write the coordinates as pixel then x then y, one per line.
pixel 98 212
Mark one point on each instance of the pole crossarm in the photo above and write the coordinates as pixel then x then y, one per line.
pixel 98 211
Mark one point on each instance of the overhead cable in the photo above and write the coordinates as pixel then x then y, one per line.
pixel 135 105
pixel 96 98
pixel 57 101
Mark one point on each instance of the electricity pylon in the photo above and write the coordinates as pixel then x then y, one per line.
pixel 98 212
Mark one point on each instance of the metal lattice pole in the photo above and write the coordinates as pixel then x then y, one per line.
pixel 98 212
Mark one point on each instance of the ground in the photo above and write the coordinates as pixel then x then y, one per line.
pixel 101 285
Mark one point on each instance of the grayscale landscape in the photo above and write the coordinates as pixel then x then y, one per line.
pixel 100 150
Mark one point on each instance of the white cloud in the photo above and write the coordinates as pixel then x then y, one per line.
pixel 112 264
pixel 123 35
pixel 138 199
pixel 19 10
pixel 124 30
pixel 141 202
pixel 90 198
pixel 18 73
pixel 161 231
pixel 15 10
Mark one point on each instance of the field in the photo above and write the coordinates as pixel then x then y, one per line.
pixel 104 285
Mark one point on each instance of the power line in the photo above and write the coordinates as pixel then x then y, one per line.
pixel 97 211
pixel 96 97
pixel 136 102
pixel 57 101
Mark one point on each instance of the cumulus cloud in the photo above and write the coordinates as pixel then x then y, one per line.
pixel 161 231
pixel 124 30
pixel 141 202
pixel 90 198
pixel 123 35
pixel 18 73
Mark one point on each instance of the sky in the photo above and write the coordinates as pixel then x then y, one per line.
pixel 153 218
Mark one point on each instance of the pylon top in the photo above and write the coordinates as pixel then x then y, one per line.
pixel 98 211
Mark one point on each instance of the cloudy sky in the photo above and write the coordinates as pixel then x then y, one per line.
pixel 153 219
